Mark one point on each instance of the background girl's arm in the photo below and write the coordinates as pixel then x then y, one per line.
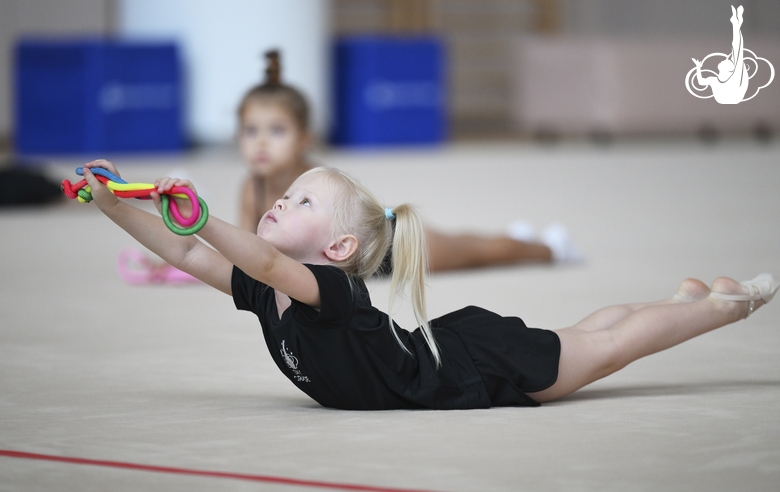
pixel 186 253
pixel 248 206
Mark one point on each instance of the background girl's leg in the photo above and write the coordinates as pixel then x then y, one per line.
pixel 452 252
pixel 588 355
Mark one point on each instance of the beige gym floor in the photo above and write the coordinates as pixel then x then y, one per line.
pixel 162 376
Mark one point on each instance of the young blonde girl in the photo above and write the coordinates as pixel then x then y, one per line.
pixel 274 137
pixel 302 273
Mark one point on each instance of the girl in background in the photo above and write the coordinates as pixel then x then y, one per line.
pixel 274 137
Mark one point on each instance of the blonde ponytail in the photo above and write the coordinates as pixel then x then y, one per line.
pixel 410 267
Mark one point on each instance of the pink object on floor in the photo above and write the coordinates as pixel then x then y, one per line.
pixel 135 268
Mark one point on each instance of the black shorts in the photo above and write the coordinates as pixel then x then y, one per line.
pixel 511 358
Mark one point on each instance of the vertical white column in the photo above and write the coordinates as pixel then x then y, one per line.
pixel 222 45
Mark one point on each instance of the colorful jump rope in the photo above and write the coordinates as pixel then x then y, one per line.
pixel 121 188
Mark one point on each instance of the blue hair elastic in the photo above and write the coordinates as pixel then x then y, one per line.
pixel 389 214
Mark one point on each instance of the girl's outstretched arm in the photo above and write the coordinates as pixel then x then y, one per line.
pixel 234 246
pixel 262 261
pixel 186 253
pixel 255 256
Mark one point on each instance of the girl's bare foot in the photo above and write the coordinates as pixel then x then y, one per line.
pixel 739 309
pixel 691 290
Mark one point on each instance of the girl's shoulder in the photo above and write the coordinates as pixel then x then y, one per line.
pixel 337 284
pixel 340 294
pixel 332 277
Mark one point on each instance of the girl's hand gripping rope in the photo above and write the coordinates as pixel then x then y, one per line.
pixel 102 183
pixel 183 193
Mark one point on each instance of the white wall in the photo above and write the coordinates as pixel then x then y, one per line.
pixel 222 45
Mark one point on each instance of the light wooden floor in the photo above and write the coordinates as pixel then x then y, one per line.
pixel 162 376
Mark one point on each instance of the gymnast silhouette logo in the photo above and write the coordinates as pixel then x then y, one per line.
pixel 292 363
pixel 730 84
